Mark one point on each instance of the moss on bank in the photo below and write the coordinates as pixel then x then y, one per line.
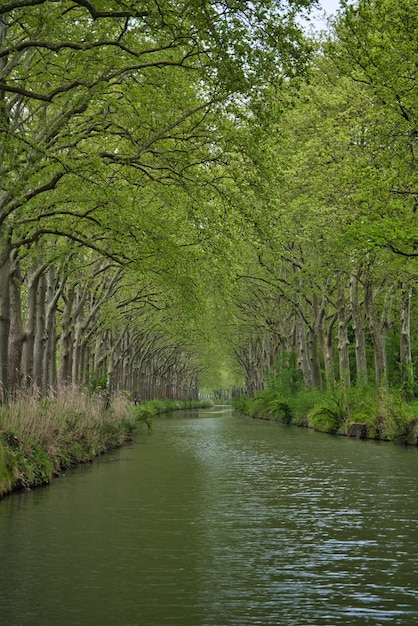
pixel 41 439
pixel 362 412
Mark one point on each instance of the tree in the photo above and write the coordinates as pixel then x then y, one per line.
pixel 333 182
pixel 102 103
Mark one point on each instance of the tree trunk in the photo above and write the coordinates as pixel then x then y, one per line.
pixel 30 326
pixel 359 334
pixel 328 349
pixel 407 370
pixel 4 237
pixel 343 342
pixel 378 332
pixel 39 343
pixel 79 324
pixel 303 359
pixel 49 381
pixel 4 320
pixel 66 338
pixel 314 334
pixel 16 326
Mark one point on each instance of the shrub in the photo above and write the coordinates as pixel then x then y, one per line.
pixel 268 403
pixel 397 420
pixel 302 404
pixel 8 467
pixel 286 379
pixel 332 411
pixel 242 404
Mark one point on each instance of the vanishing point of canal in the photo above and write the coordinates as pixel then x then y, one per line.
pixel 213 519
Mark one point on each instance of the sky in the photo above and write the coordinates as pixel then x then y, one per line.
pixel 330 7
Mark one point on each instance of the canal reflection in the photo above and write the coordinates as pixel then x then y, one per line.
pixel 216 519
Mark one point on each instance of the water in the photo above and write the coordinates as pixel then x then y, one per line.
pixel 217 520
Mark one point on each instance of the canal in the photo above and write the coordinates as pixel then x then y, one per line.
pixel 213 519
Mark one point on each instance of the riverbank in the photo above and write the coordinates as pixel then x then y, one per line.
pixel 40 439
pixel 361 412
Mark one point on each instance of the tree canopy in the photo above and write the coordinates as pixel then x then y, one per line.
pixel 116 122
pixel 194 194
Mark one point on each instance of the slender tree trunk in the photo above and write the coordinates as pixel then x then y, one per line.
pixel 79 327
pixel 314 342
pixel 49 369
pixel 66 338
pixel 99 356
pixel 343 342
pixel 84 364
pixel 303 358
pixel 30 326
pixel 16 326
pixel 328 349
pixel 405 342
pixel 4 238
pixel 378 331
pixel 126 361
pixel 4 319
pixel 359 334
pixel 39 342
pixel 114 363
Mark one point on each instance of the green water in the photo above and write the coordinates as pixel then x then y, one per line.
pixel 215 519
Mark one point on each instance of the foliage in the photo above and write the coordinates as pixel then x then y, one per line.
pixel 384 415
pixel 328 173
pixel 302 404
pixel 276 406
pixel 381 414
pixel 97 385
pixel 242 404
pixel 196 198
pixel 397 420
pixel 332 413
pixel 338 407
pixel 116 125
pixel 286 379
pixel 9 472
pixel 266 404
pixel 40 439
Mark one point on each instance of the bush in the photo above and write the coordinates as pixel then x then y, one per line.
pixel 286 380
pixel 335 410
pixel 397 420
pixel 332 412
pixel 8 467
pixel 22 463
pixel 302 404
pixel 242 404
pixel 266 404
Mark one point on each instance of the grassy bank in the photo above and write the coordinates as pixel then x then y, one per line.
pixel 363 412
pixel 39 439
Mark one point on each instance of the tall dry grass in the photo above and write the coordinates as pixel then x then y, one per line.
pixel 48 418
pixel 40 438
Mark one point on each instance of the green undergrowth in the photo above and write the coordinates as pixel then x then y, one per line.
pixel 361 411
pixel 147 410
pixel 266 404
pixel 39 439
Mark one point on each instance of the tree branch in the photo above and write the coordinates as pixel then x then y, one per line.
pixel 95 14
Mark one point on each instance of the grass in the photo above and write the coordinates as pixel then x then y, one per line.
pixel 377 413
pixel 39 439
